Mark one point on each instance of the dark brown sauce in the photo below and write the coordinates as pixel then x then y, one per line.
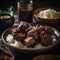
pixel 25 15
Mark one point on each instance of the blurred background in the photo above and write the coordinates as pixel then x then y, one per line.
pixel 6 3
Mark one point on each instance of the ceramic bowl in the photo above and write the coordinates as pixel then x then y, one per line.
pixel 6 21
pixel 29 50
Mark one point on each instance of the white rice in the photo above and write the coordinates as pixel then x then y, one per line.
pixel 13 42
pixel 49 14
pixel 10 39
pixel 54 38
pixel 38 46
pixel 17 44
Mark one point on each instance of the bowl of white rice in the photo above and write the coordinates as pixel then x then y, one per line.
pixel 47 16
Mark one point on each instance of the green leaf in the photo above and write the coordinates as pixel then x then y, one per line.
pixel 11 8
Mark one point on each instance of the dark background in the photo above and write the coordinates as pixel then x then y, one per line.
pixel 6 3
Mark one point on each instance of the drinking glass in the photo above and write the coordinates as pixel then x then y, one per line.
pixel 25 10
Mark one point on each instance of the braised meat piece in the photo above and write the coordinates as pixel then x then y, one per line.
pixel 49 30
pixel 25 25
pixel 45 38
pixel 43 34
pixel 30 28
pixel 13 31
pixel 20 36
pixel 22 26
pixel 33 34
pixel 40 28
pixel 29 41
pixel 46 41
